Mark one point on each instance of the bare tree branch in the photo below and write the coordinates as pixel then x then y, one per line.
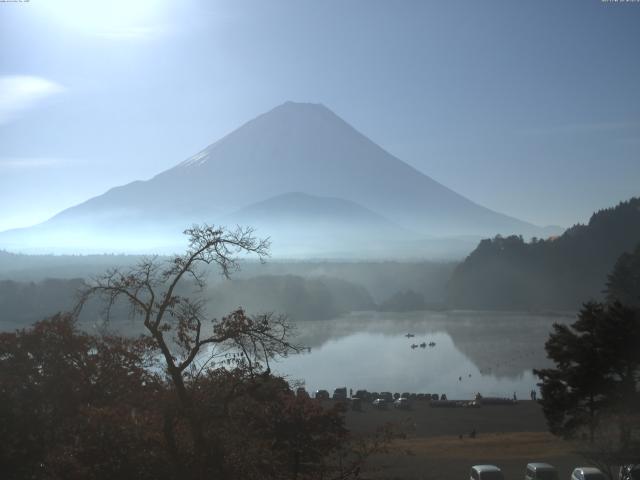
pixel 151 291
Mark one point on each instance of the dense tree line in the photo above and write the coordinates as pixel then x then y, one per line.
pixel 403 301
pixel 317 298
pixel 555 273
pixel 301 298
pixel 23 303
pixel 381 279
pixel 33 267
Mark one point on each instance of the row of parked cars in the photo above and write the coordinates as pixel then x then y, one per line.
pixel 544 471
pixel 380 400
pixel 388 397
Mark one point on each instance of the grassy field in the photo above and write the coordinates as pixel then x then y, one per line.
pixel 435 442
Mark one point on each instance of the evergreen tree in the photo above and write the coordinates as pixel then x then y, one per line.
pixel 623 283
pixel 597 372
pixel 575 392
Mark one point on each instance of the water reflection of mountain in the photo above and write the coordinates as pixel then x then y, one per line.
pixel 498 343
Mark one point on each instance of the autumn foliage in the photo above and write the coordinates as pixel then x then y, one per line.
pixel 80 406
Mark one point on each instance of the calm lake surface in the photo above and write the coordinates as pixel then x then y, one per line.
pixel 493 353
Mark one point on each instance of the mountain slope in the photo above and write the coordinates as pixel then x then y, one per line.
pixel 311 226
pixel 292 148
pixel 297 206
pixel 559 273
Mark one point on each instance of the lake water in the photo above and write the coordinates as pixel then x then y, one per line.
pixel 493 353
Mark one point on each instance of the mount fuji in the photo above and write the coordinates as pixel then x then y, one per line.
pixel 301 173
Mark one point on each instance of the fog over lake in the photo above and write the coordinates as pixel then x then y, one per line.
pixel 493 353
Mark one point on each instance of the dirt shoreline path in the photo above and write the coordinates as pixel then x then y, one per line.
pixel 507 436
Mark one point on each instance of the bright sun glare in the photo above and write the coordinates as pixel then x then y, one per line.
pixel 108 17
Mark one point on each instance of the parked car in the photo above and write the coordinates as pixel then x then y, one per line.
pixel 540 471
pixel 587 473
pixel 380 403
pixel 485 472
pixel 629 472
pixel 301 392
pixel 402 403
pixel 340 393
pixel 322 395
pixel 388 396
pixel 363 395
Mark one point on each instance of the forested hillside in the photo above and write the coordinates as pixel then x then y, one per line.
pixel 319 298
pixel 23 303
pixel 556 273
pixel 300 298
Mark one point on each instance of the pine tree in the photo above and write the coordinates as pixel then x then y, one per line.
pixel 623 282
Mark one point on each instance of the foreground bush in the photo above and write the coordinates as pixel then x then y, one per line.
pixel 80 406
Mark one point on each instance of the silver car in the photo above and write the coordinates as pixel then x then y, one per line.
pixel 587 473
pixel 485 472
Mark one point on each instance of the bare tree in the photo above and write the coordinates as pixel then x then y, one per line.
pixel 179 325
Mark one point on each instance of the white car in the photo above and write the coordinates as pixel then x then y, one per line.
pixel 485 472
pixel 587 473
pixel 402 403
pixel 380 403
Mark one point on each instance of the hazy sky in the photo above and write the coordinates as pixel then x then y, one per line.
pixel 531 108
